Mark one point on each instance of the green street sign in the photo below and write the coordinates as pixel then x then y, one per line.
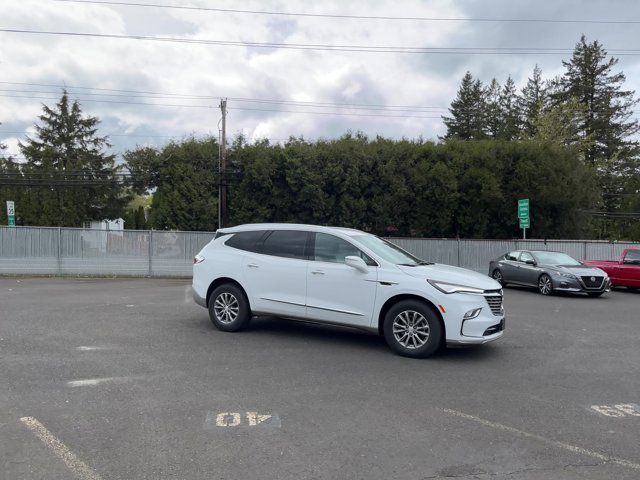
pixel 523 208
pixel 524 223
pixel 11 213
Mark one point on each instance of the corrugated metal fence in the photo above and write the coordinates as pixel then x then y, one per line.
pixel 77 251
pixel 476 254
pixel 71 251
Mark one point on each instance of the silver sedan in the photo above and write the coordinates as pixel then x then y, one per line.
pixel 549 272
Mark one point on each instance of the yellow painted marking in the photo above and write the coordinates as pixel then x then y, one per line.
pixel 60 450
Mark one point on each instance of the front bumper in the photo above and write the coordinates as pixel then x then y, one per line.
pixel 486 327
pixel 474 341
pixel 576 285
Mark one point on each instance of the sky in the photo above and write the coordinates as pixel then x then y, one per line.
pixel 392 94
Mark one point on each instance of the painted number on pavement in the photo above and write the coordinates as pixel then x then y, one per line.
pixel 618 411
pixel 241 419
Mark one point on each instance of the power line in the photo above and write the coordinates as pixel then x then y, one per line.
pixel 5 132
pixel 238 99
pixel 305 112
pixel 356 17
pixel 325 47
pixel 164 95
pixel 397 108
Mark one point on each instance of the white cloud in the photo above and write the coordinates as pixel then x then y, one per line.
pixel 347 77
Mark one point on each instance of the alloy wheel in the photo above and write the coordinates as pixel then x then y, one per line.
pixel 411 329
pixel 544 285
pixel 226 308
pixel 497 276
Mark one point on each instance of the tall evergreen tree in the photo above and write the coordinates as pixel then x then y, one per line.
pixel 589 78
pixel 78 176
pixel 468 111
pixel 509 114
pixel 492 109
pixel 531 101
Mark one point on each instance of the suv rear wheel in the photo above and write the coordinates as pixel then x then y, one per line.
pixel 229 308
pixel 413 329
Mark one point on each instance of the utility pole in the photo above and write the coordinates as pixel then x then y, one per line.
pixel 222 178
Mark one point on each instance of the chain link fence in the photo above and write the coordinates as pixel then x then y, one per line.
pixel 77 251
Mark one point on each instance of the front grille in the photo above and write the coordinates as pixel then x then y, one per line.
pixel 494 328
pixel 589 283
pixel 495 303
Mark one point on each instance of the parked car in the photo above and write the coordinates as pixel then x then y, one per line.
pixel 549 272
pixel 344 277
pixel 624 272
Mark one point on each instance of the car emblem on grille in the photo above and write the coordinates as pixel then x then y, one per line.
pixel 593 279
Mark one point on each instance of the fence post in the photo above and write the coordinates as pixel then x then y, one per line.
pixel 584 250
pixel 150 252
pixel 59 251
pixel 458 240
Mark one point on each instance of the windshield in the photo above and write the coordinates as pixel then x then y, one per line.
pixel 388 251
pixel 555 258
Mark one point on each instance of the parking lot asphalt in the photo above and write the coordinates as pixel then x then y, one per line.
pixel 128 379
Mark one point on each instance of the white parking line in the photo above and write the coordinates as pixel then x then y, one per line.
pixel 90 382
pixel 60 450
pixel 88 348
pixel 548 441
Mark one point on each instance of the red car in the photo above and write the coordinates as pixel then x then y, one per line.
pixel 624 272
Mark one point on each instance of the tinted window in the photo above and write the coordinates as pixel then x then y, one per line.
pixel 632 256
pixel 329 248
pixel 286 243
pixel 526 257
pixel 512 256
pixel 555 258
pixel 249 241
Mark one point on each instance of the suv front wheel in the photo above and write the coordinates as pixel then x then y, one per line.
pixel 413 329
pixel 228 308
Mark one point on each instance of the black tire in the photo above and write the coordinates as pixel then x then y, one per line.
pixel 545 284
pixel 237 314
pixel 595 294
pixel 497 276
pixel 418 314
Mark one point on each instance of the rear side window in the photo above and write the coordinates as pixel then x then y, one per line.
pixel 286 243
pixel 249 241
pixel 512 256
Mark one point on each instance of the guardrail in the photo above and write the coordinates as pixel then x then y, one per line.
pixel 156 253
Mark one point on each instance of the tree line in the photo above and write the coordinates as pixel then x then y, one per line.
pixel 566 143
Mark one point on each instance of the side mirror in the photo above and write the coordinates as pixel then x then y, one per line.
pixel 357 263
pixel 531 262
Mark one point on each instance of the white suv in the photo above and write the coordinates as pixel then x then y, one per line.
pixel 344 277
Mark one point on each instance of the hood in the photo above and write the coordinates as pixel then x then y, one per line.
pixel 578 270
pixel 450 274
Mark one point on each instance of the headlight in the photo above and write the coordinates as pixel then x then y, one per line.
pixel 565 275
pixel 453 288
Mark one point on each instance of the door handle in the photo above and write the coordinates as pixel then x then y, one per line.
pixel 317 272
pixel 252 265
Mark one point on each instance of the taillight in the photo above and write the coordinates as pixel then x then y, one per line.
pixel 198 259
